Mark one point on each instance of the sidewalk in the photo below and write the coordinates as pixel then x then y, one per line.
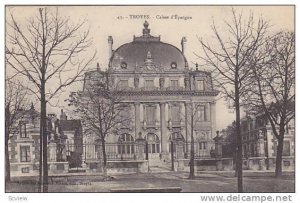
pixel 157 170
pixel 246 173
pixel 204 182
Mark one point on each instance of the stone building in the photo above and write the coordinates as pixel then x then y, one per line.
pixel 259 143
pixel 23 145
pixel 64 143
pixel 162 93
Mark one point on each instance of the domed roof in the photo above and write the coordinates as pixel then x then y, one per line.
pixel 148 50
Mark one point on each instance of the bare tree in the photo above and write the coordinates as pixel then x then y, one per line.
pixel 15 101
pixel 101 108
pixel 47 52
pixel 273 86
pixel 193 117
pixel 228 58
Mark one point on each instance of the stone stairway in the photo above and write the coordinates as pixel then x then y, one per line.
pixel 159 166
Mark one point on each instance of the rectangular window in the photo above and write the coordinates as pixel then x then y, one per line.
pixel 125 116
pixel 149 83
pixel 202 145
pixel 286 148
pixel 123 84
pixel 25 153
pixel 200 84
pixel 201 113
pixel 153 148
pixel 174 84
pixel 150 115
pixel 175 113
pixel 23 130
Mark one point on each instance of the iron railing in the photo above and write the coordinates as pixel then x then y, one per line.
pixel 114 151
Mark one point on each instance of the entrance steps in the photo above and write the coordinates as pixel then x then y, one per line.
pixel 77 170
pixel 158 169
pixel 159 166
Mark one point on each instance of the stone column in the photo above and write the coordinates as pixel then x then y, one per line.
pixel 52 156
pixel 52 151
pixel 213 117
pixel 137 119
pixel 163 127
pixel 64 150
pixel 157 116
pixel 188 114
pixel 218 145
pixel 261 150
pixel 182 114
pixel 218 151
pixel 207 111
pixel 183 123
pixel 140 147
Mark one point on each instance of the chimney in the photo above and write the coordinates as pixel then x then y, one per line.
pixel 183 45
pixel 98 67
pixel 110 44
pixel 63 115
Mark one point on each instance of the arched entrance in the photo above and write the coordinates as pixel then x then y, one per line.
pixel 173 138
pixel 153 145
pixel 126 146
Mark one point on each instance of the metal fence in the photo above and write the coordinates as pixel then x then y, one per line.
pixel 114 151
pixel 201 149
pixel 129 150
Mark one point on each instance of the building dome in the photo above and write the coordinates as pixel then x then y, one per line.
pixel 147 50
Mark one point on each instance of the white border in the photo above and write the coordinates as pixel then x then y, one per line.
pixel 124 198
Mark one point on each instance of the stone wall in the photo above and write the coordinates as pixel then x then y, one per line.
pixel 227 164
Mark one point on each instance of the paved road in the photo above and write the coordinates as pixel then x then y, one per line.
pixel 203 183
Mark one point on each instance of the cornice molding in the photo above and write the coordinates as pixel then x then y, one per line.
pixel 163 93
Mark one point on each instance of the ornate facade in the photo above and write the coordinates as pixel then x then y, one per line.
pixel 162 93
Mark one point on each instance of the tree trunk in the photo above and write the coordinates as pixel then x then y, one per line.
pixel 44 138
pixel 192 160
pixel 239 157
pixel 235 159
pixel 7 163
pixel 41 156
pixel 278 169
pixel 104 157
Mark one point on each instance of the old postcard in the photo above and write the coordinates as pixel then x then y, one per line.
pixel 150 99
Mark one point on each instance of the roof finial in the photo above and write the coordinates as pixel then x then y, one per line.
pixel 146 24
pixel 149 55
pixel 32 107
pixel 146 31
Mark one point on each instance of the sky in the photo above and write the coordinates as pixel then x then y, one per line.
pixel 123 22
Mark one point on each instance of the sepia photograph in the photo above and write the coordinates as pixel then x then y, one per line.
pixel 150 99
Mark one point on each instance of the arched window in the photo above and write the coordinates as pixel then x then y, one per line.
pixel 173 137
pixel 125 144
pixel 153 143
